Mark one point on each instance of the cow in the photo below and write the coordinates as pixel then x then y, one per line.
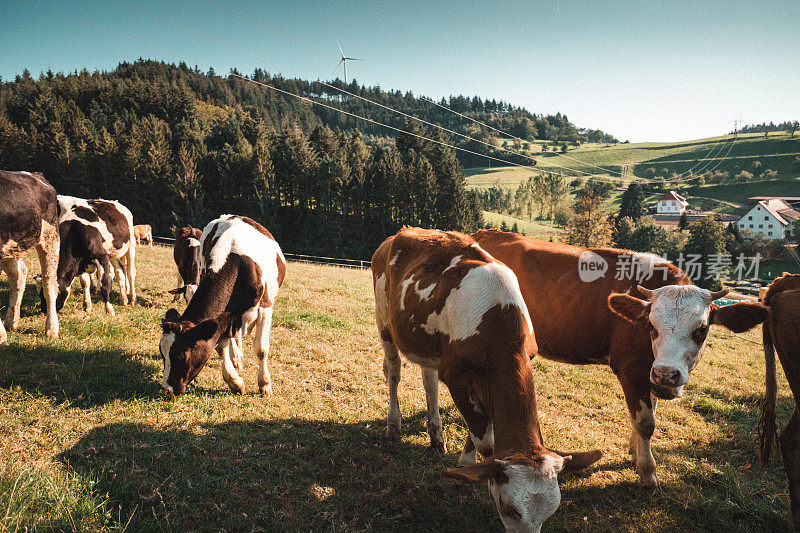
pixel 187 255
pixel 635 312
pixel 243 269
pixel 28 219
pixel 781 333
pixel 450 307
pixel 143 232
pixel 96 235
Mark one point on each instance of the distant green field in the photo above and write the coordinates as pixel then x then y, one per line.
pixel 540 230
pixel 777 152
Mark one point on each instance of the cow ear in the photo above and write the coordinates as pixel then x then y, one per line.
pixel 738 317
pixel 205 330
pixel 576 461
pixel 627 307
pixel 172 316
pixel 477 472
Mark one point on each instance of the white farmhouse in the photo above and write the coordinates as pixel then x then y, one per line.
pixel 671 203
pixel 772 218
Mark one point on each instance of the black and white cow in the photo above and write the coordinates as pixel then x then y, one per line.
pixel 187 255
pixel 95 235
pixel 28 219
pixel 243 268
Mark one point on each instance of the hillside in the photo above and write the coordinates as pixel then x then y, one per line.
pixel 777 152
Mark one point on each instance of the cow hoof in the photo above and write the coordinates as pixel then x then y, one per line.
pixel 468 458
pixel 110 309
pixel 393 433
pixel 237 386
pixel 266 390
pixel 53 334
pixel 439 447
pixel 649 482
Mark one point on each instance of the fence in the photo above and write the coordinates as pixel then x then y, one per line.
pixel 300 258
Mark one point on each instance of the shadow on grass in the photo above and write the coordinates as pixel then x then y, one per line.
pixel 82 377
pixel 285 474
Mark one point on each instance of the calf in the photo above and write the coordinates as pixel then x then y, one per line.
pixel 448 306
pixel 28 219
pixel 586 316
pixel 186 253
pixel 781 333
pixel 243 270
pixel 143 232
pixel 96 234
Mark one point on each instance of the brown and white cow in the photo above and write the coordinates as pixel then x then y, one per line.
pixel 243 269
pixel 95 235
pixel 143 232
pixel 187 255
pixel 587 316
pixel 28 219
pixel 448 306
pixel 781 333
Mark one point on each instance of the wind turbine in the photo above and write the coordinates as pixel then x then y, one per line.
pixel 344 61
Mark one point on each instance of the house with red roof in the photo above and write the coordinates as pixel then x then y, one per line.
pixel 671 203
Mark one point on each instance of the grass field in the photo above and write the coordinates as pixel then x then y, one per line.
pixel 87 443
pixel 539 229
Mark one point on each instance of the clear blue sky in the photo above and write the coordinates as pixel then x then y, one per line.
pixel 644 71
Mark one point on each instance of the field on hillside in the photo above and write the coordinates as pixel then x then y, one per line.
pixel 88 444
pixel 777 152
pixel 539 229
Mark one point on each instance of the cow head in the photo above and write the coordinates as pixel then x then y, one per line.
pixel 186 347
pixel 524 487
pixel 677 318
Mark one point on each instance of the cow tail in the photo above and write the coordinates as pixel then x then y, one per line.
pixel 766 417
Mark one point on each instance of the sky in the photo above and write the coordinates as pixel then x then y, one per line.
pixel 642 71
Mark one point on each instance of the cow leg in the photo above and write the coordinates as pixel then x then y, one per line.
pixel 391 370
pixel 430 380
pixel 86 285
pixel 481 432
pixel 105 284
pixel 261 345
pixel 130 273
pixel 48 250
pixel 789 442
pixel 122 279
pixel 17 276
pixel 643 421
pixel 229 373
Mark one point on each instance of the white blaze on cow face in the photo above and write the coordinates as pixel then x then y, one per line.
pixel 164 345
pixel 530 496
pixel 678 318
pixel 481 289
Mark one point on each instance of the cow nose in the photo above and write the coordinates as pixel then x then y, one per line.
pixel 664 375
pixel 168 394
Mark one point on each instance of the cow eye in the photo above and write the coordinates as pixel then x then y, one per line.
pixel 700 333
pixel 652 328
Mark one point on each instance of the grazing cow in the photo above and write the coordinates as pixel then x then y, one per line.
pixel 143 232
pixel 781 333
pixel 584 314
pixel 448 306
pixel 28 219
pixel 95 235
pixel 243 269
pixel 187 258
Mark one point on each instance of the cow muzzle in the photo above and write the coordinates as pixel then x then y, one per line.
pixel 665 376
pixel 168 394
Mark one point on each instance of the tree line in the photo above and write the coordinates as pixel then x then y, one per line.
pixel 180 147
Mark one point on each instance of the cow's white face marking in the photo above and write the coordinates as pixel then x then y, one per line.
pixel 679 317
pixel 164 345
pixel 530 496
pixel 483 288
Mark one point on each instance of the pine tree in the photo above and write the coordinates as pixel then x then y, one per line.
pixel 632 203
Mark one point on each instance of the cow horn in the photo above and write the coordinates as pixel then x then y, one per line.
pixel 719 294
pixel 647 292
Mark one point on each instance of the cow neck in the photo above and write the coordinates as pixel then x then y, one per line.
pixel 213 293
pixel 514 413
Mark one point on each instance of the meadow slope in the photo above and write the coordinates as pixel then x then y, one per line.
pixel 88 444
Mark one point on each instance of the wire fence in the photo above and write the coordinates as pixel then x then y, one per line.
pixel 300 258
